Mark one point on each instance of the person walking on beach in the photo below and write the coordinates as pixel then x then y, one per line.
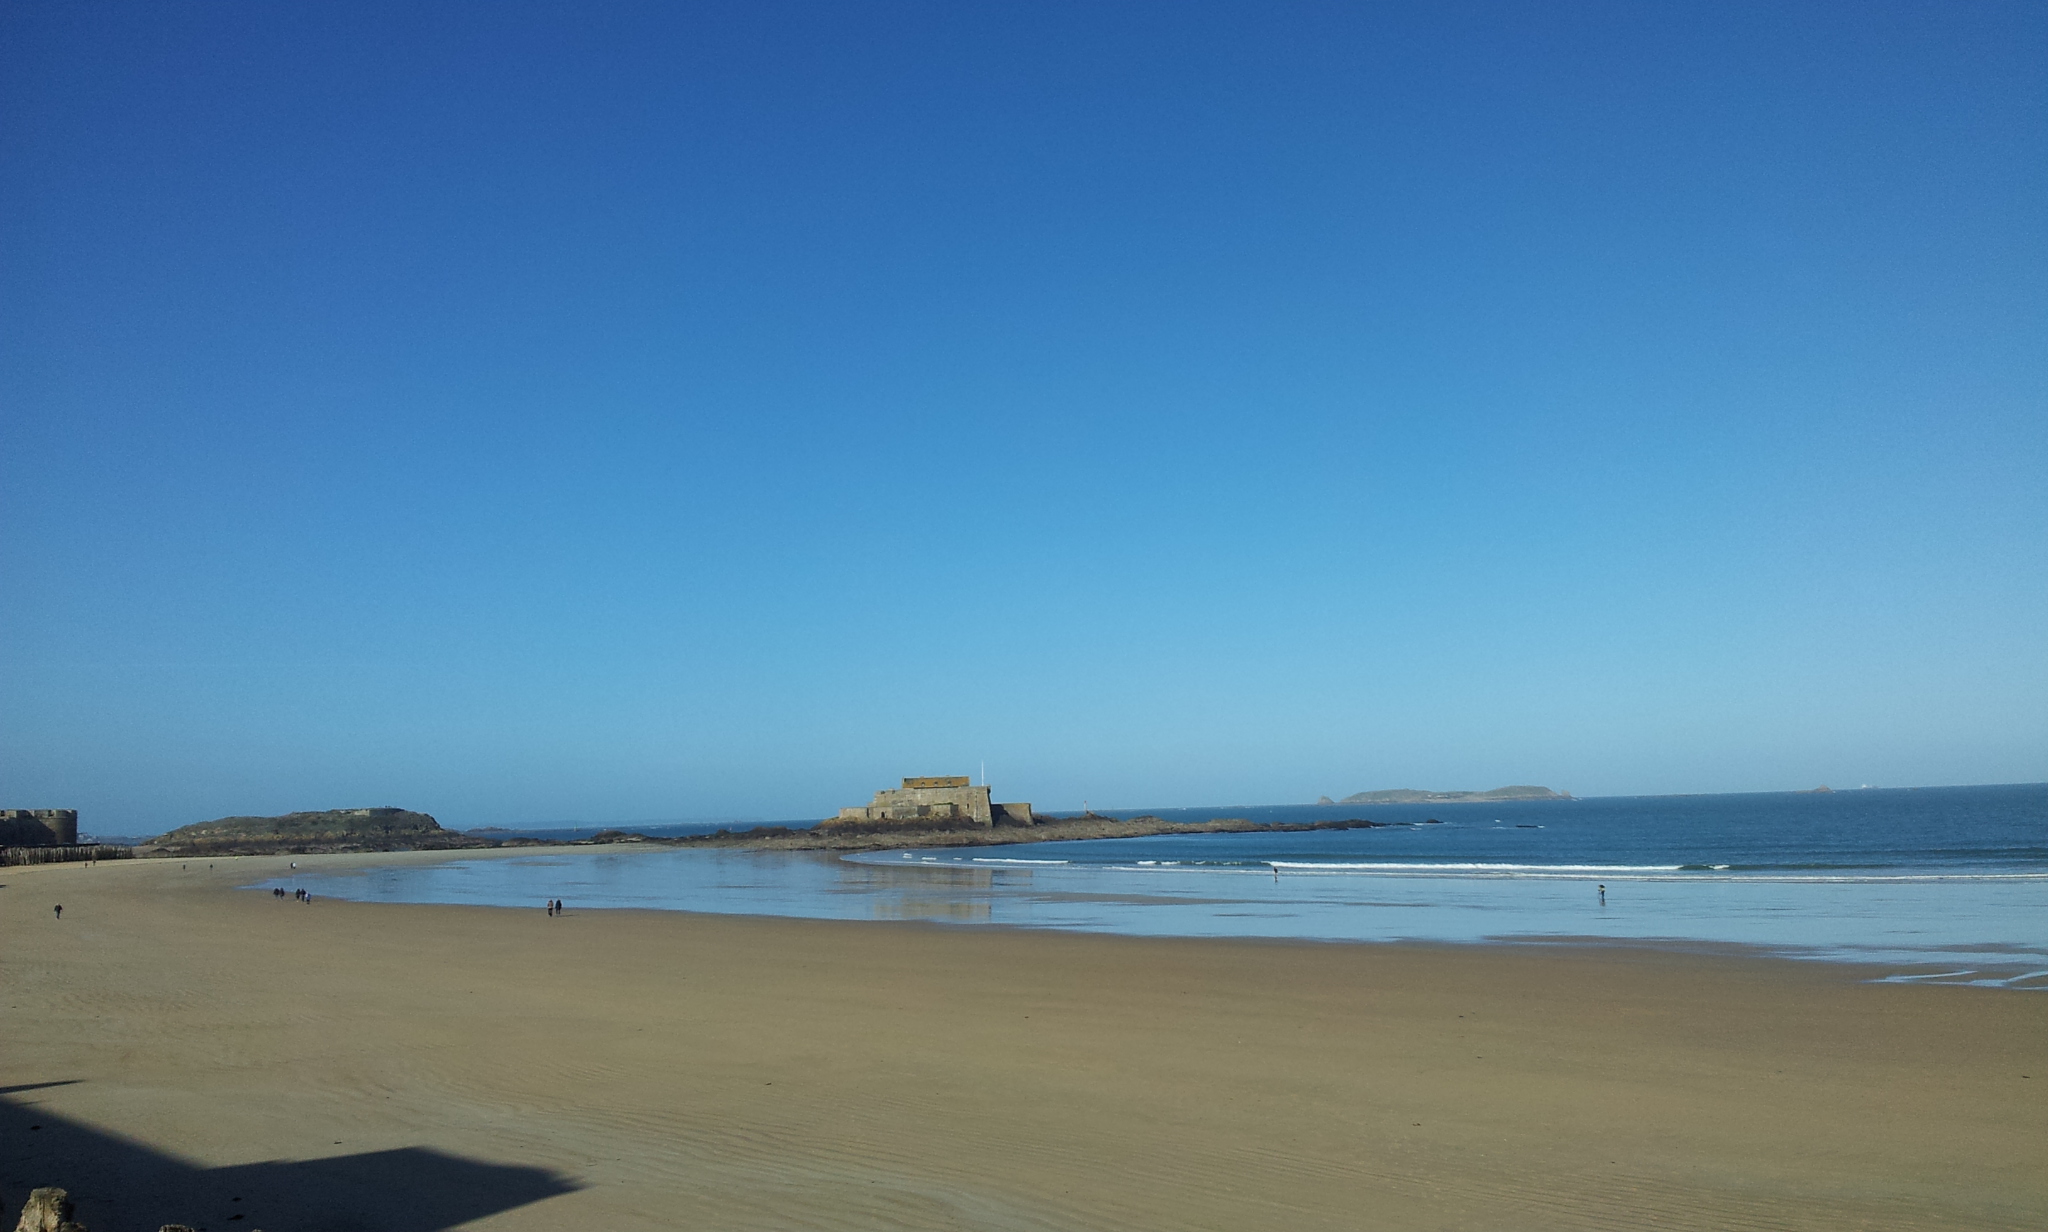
pixel 60 911
pixel 1603 895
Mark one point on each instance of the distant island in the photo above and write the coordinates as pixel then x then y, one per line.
pixel 1408 795
pixel 357 829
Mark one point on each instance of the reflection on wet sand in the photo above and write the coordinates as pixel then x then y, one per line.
pixel 956 895
pixel 1920 926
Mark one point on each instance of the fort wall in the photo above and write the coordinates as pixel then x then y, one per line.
pixel 937 800
pixel 38 827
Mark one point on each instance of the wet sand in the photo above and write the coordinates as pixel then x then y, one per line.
pixel 359 1066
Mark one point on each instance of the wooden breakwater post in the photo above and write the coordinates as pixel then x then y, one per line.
pixel 68 854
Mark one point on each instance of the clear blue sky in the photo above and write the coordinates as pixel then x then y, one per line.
pixel 620 411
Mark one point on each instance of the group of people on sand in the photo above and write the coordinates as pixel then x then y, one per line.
pixel 304 896
pixel 554 906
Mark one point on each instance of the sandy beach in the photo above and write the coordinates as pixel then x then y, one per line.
pixel 171 1046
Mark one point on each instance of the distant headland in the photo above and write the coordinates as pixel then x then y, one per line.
pixel 1409 795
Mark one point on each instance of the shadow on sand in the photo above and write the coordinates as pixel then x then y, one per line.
pixel 120 1185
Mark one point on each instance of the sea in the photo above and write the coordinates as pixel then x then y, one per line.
pixel 1936 884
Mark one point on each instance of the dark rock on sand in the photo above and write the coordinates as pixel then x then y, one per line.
pixel 48 1210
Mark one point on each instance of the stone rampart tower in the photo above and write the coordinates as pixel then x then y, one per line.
pixel 38 827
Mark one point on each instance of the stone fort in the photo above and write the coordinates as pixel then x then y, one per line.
pixel 937 800
pixel 38 827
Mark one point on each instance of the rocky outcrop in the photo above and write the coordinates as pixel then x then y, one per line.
pixel 900 825
pixel 47 1210
pixel 50 1210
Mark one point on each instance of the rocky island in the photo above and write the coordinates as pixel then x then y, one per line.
pixel 332 830
pixel 1408 795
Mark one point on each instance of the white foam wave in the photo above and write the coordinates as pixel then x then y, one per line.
pixel 2018 982
pixel 1634 872
pixel 1393 867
